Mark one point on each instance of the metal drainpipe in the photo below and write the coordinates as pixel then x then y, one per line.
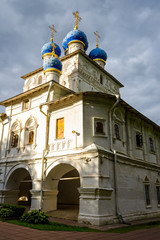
pixel 114 151
pixel 115 161
pixel 46 142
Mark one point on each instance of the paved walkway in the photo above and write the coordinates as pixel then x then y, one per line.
pixel 11 232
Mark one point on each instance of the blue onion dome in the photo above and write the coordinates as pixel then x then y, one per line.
pixel 98 54
pixel 75 35
pixel 53 64
pixel 48 48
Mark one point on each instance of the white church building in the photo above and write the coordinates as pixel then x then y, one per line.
pixel 70 140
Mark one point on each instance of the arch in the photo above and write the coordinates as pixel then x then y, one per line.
pixel 17 166
pixel 31 122
pixel 61 161
pixel 61 185
pixel 16 125
pixel 117 114
pixel 18 185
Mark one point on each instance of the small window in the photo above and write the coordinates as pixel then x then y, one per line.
pixel 14 140
pixel 60 128
pixel 151 145
pixel 158 194
pixel 26 105
pixel 116 131
pixel 40 80
pixel 31 137
pixel 99 127
pixel 147 194
pixel 139 140
pixel 101 79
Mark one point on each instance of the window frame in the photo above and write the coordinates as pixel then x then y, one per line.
pixel 158 194
pixel 102 121
pixel 31 141
pixel 56 137
pixel 14 141
pixel 118 137
pixel 147 192
pixel 151 145
pixel 139 142
pixel 24 108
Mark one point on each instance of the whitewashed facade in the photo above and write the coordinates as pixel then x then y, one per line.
pixel 108 160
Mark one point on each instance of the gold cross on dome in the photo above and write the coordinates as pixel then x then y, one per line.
pixel 97 36
pixel 53 30
pixel 77 19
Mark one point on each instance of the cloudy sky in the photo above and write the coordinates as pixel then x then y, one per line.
pixel 129 30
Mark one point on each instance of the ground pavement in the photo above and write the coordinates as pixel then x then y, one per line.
pixel 11 232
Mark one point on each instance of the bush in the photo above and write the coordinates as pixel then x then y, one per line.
pixel 15 211
pixel 36 217
pixel 6 213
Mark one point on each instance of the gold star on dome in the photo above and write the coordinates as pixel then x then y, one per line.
pixel 97 36
pixel 77 19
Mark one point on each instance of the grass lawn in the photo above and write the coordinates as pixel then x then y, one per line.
pixel 54 226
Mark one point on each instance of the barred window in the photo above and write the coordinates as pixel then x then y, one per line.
pixel 116 131
pixel 158 194
pixel 147 194
pixel 139 140
pixel 151 145
pixel 14 140
pixel 31 137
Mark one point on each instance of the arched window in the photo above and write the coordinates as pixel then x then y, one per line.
pixel 30 131
pixel 101 79
pixel 40 80
pixel 31 137
pixel 118 125
pixel 15 134
pixel 139 140
pixel 147 190
pixel 14 140
pixel 151 145
pixel 116 131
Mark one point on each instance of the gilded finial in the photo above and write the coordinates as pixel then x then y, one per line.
pixel 97 36
pixel 53 30
pixel 52 44
pixel 77 19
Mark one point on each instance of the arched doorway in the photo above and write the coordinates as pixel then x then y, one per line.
pixel 64 180
pixel 18 186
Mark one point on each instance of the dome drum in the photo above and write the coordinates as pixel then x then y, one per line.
pixel 52 75
pixel 74 46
